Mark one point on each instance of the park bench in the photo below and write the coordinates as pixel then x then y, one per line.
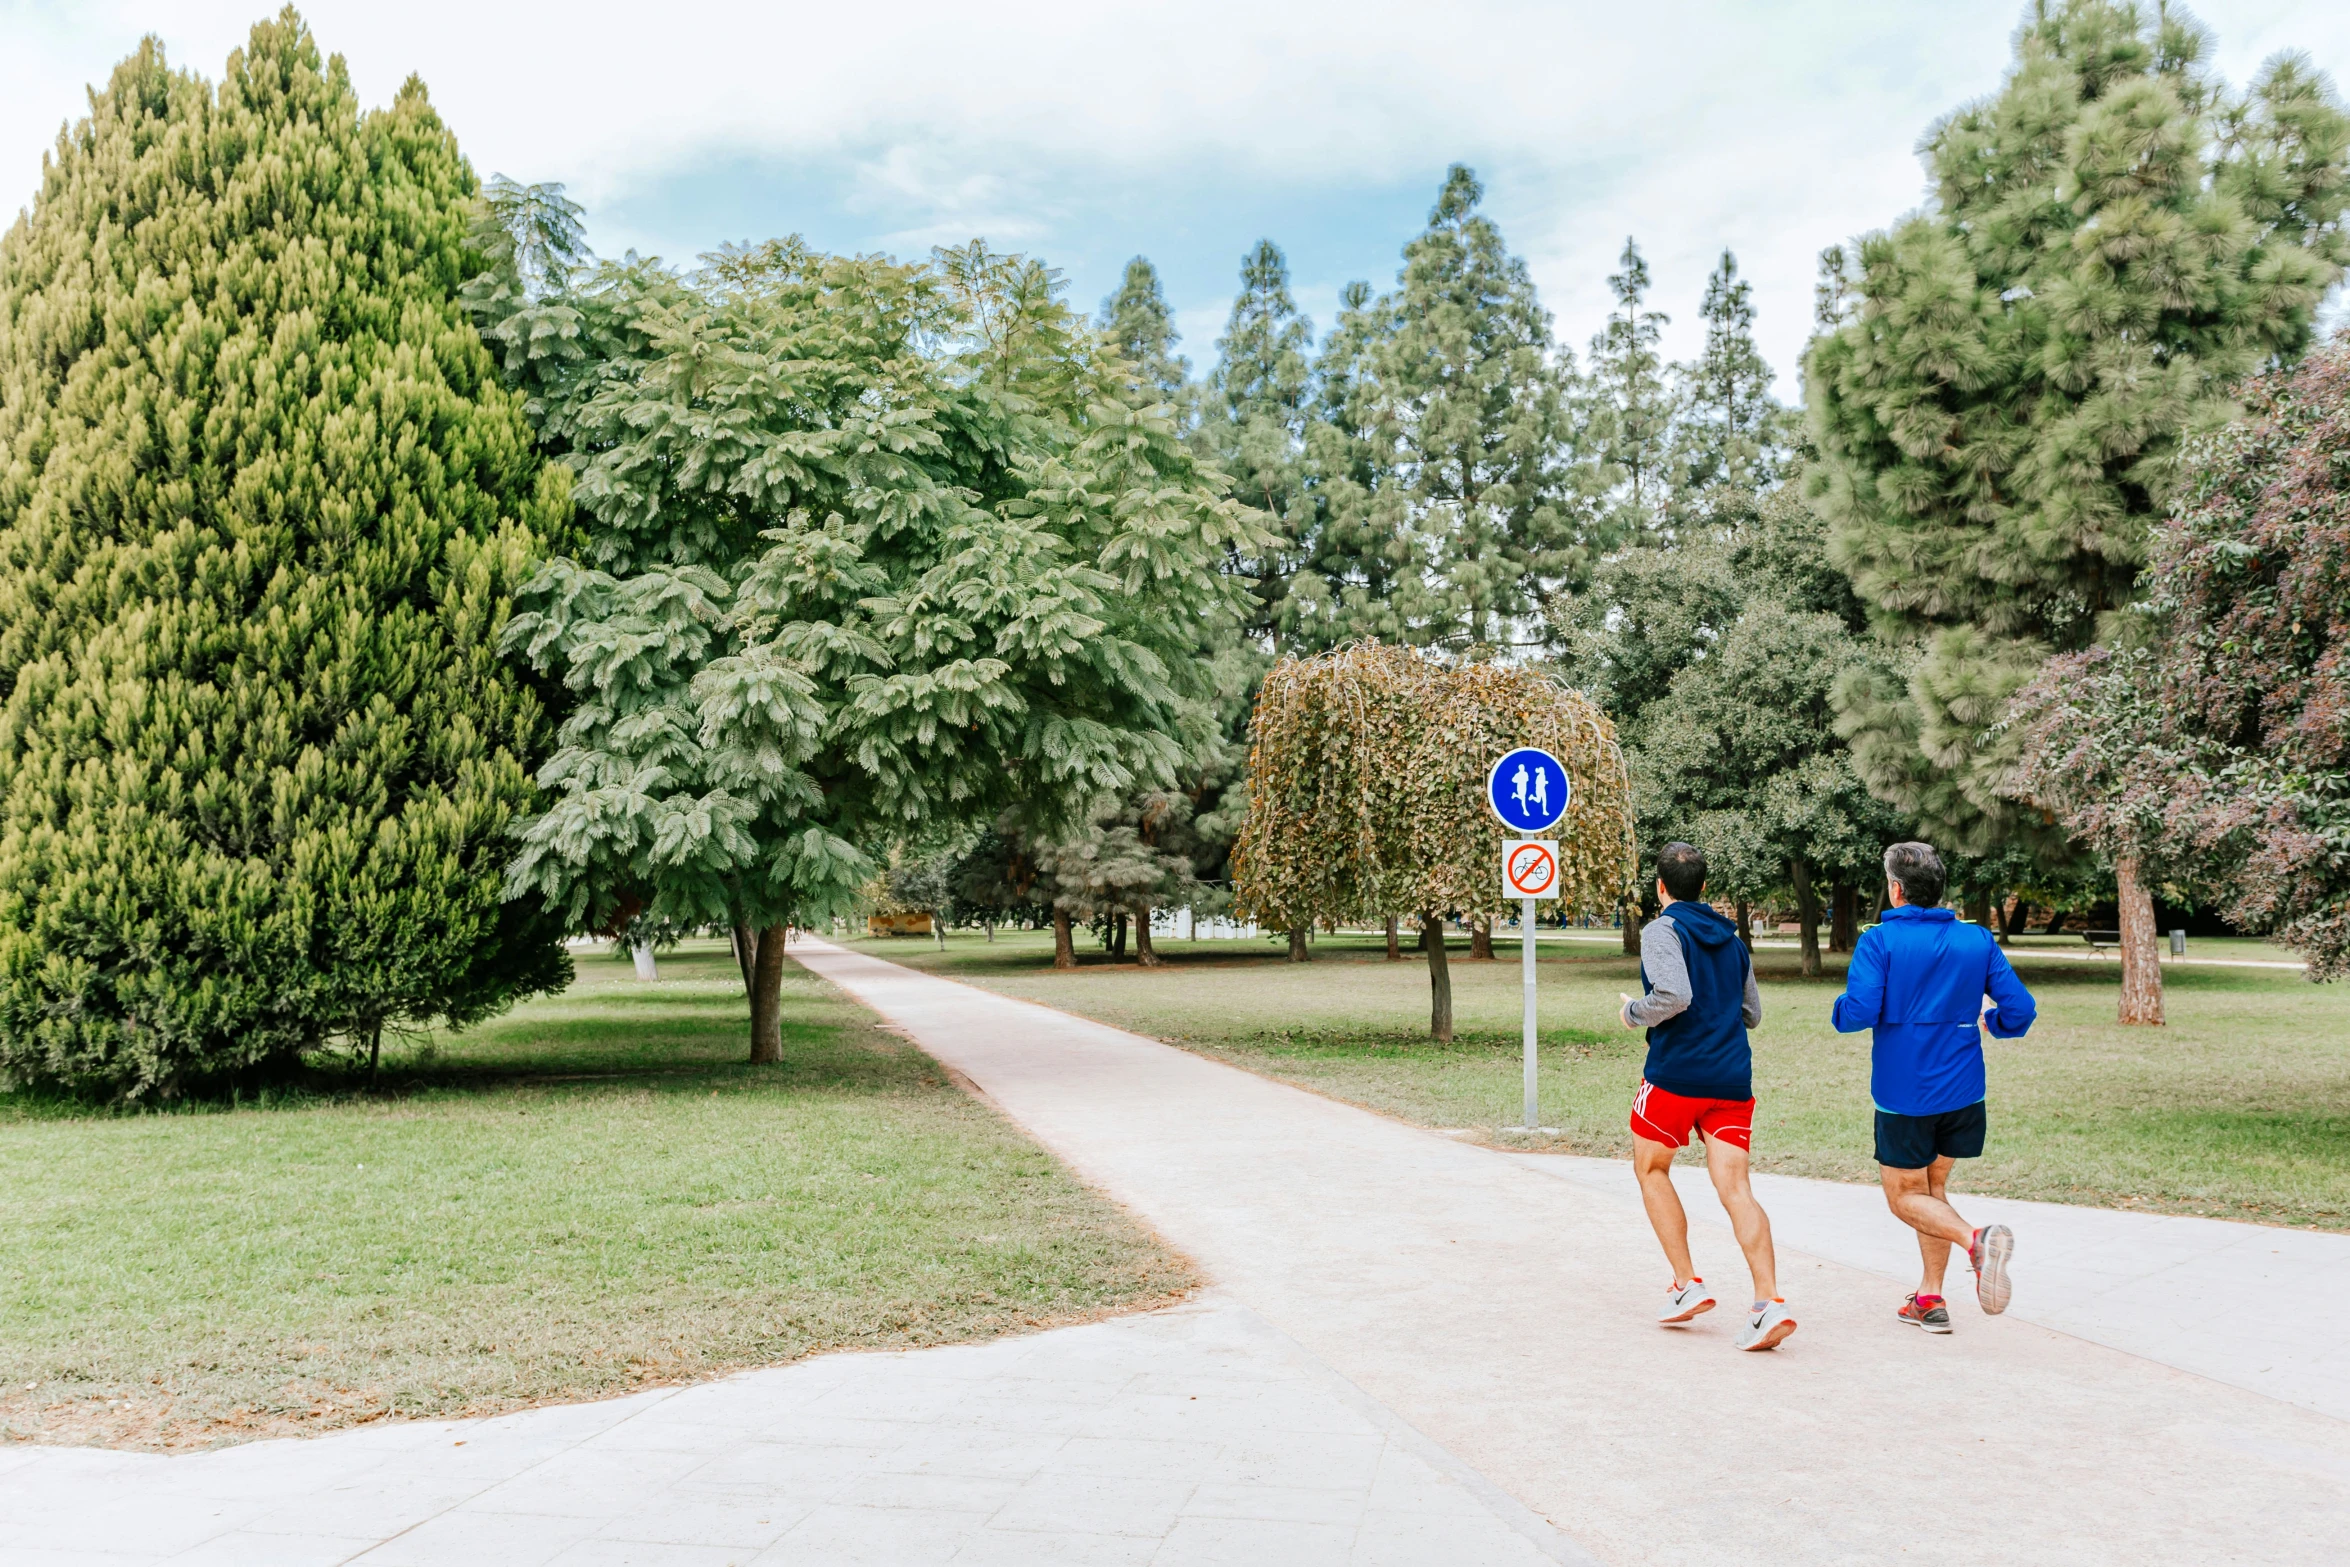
pixel 2102 938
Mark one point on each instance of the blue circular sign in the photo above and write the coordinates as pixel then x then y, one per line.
pixel 1527 790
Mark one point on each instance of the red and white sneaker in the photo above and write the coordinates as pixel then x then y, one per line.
pixel 1925 1311
pixel 1683 1301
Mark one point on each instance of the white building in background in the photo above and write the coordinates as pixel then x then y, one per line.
pixel 1178 925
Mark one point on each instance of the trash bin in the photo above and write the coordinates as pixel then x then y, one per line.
pixel 2178 943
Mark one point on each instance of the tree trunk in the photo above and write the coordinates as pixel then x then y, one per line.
pixel 1297 944
pixel 1118 935
pixel 1439 979
pixel 1807 912
pixel 989 927
pixel 1978 905
pixel 1844 904
pixel 2141 958
pixel 938 929
pixel 746 952
pixel 646 968
pixel 375 1052
pixel 1394 945
pixel 2055 921
pixel 1877 909
pixel 1631 928
pixel 2011 918
pixel 1481 938
pixel 1143 952
pixel 1064 948
pixel 1746 925
pixel 767 998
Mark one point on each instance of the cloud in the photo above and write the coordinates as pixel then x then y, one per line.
pixel 1089 132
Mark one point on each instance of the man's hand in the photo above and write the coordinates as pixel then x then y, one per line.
pixel 1621 1016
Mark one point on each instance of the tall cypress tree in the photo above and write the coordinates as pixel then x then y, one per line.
pixel 2114 240
pixel 1730 429
pixel 1364 553
pixel 1474 397
pixel 1139 324
pixel 1258 400
pixel 262 504
pixel 1629 402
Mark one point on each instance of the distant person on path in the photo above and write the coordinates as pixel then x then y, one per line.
pixel 1924 984
pixel 1700 1000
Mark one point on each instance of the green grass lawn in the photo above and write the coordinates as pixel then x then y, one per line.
pixel 590 1195
pixel 2239 1108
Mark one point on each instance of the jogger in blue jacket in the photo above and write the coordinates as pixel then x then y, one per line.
pixel 1926 985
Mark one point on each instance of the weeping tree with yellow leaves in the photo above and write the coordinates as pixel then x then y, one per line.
pixel 1367 794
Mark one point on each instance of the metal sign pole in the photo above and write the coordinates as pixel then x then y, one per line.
pixel 1529 790
pixel 1526 923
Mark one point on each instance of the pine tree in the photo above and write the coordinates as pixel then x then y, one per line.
pixel 1730 429
pixel 1365 556
pixel 1259 396
pixel 1629 403
pixel 1471 391
pixel 262 506
pixel 1141 328
pixel 2114 240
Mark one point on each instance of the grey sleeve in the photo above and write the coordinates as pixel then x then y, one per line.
pixel 1668 976
pixel 1751 1007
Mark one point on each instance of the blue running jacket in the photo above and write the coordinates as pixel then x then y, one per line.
pixel 1917 981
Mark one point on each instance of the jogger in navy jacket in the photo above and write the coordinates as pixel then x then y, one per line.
pixel 1699 1079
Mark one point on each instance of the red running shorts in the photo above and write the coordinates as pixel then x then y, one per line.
pixel 1664 1117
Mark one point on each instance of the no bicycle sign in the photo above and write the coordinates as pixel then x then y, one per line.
pixel 1530 869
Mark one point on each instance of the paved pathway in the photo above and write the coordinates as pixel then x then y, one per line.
pixel 1415 1351
pixel 1196 1435
pixel 1503 1311
pixel 2259 1307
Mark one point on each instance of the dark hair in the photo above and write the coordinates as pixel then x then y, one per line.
pixel 1919 870
pixel 1681 867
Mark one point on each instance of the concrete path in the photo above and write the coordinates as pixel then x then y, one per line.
pixel 1193 1436
pixel 1507 1314
pixel 2258 1307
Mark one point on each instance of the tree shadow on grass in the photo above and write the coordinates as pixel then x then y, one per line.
pixel 667 1039
pixel 1354 1044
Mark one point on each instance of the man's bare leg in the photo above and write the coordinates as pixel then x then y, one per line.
pixel 1653 1164
pixel 1933 1248
pixel 1916 1198
pixel 1727 1164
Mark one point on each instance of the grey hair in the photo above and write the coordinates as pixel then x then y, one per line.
pixel 1919 870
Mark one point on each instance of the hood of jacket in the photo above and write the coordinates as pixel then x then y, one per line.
pixel 1701 923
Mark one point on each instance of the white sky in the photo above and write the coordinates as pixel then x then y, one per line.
pixel 1087 131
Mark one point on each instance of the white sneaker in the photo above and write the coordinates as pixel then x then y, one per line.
pixel 1769 1327
pixel 1993 1245
pixel 1683 1301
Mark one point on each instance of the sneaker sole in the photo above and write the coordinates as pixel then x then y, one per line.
pixel 1698 1310
pixel 1991 1286
pixel 1773 1339
pixel 1930 1327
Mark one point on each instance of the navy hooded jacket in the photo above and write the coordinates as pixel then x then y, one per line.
pixel 1700 1050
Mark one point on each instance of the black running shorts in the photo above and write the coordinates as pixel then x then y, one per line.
pixel 1911 1142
